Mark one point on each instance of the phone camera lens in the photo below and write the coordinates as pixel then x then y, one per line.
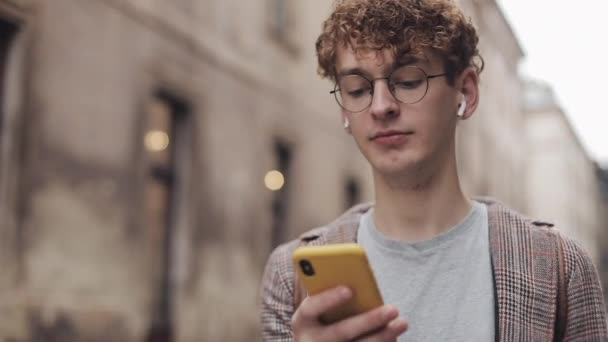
pixel 307 268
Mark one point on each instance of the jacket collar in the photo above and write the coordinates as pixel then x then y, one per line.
pixel 344 228
pixel 512 246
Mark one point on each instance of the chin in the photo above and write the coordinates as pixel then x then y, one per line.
pixel 396 171
pixel 397 166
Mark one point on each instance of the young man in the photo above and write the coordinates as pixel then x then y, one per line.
pixel 450 268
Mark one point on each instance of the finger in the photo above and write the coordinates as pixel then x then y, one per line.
pixel 313 307
pixel 362 324
pixel 389 333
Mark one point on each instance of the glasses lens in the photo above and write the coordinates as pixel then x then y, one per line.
pixel 409 84
pixel 354 94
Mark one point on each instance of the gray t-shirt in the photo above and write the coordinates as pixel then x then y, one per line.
pixel 444 286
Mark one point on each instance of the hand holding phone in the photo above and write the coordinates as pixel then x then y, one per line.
pixel 323 267
pixel 344 303
pixel 379 324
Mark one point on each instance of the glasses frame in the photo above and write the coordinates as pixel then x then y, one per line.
pixel 390 88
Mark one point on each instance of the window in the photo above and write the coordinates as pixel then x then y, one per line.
pixel 7 34
pixel 166 158
pixel 283 154
pixel 281 23
pixel 352 193
pixel 12 135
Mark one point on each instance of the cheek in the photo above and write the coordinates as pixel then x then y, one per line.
pixel 435 126
pixel 358 124
pixel 437 109
pixel 359 135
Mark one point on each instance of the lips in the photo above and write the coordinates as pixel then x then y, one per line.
pixel 386 134
pixel 391 138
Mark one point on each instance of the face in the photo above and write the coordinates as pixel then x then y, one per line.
pixel 399 138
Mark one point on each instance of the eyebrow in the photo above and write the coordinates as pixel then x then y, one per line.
pixel 407 59
pixel 399 62
pixel 353 71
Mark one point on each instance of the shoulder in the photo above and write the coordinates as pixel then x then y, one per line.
pixel 343 229
pixel 510 223
pixel 519 237
pixel 577 261
pixel 277 286
pixel 279 261
pixel 507 219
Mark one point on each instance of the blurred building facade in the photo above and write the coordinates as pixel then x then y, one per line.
pixel 491 152
pixel 135 139
pixel 602 175
pixel 134 154
pixel 562 181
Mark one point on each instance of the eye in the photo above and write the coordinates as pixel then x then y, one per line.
pixel 358 92
pixel 408 84
pixel 355 86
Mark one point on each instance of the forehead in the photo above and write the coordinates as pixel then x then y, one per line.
pixel 347 58
pixel 379 61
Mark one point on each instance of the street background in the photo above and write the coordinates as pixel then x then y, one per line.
pixel 153 153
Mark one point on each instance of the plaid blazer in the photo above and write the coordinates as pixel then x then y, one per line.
pixel 525 267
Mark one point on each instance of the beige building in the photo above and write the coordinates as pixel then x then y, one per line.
pixel 562 182
pixel 135 141
pixel 491 151
pixel 602 174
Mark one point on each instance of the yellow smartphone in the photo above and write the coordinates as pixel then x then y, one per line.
pixel 323 267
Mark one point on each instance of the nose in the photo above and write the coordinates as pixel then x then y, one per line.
pixel 384 104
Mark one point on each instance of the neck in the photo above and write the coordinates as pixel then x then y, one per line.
pixel 420 207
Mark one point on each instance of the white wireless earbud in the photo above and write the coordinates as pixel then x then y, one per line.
pixel 462 106
pixel 346 123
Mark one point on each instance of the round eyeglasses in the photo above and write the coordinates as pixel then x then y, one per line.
pixel 408 84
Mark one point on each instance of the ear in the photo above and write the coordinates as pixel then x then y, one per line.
pixel 469 87
pixel 346 122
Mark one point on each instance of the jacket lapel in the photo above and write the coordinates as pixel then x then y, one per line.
pixel 524 262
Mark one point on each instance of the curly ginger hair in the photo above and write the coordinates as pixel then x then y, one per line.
pixel 407 27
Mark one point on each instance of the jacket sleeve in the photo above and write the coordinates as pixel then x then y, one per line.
pixel 277 296
pixel 586 314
